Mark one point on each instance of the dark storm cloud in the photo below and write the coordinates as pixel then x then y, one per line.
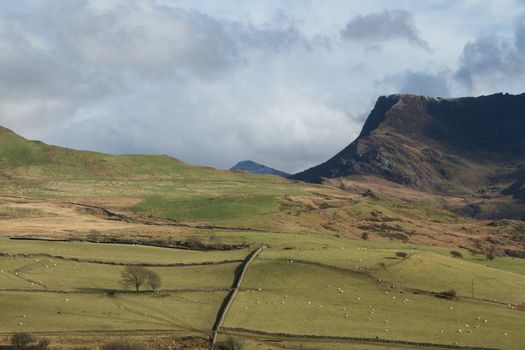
pixel 489 56
pixel 384 26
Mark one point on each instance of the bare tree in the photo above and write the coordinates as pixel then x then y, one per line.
pixel 135 276
pixel 154 280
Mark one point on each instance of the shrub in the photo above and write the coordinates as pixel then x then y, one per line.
pixel 364 236
pixel 194 243
pixel 232 344
pixel 401 254
pixel 122 345
pixel 22 340
pixel 94 236
pixel 451 294
pixel 43 344
pixel 490 256
pixel 456 254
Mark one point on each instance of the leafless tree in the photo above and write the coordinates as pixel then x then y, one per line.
pixel 154 280
pixel 135 276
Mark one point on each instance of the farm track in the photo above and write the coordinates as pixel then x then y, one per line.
pixel 344 339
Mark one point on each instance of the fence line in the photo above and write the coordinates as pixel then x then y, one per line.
pixel 228 301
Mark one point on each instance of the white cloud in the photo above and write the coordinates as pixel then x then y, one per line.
pixel 216 82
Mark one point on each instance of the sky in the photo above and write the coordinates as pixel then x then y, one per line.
pixel 287 83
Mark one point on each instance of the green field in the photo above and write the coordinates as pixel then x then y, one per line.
pixel 322 286
pixel 345 303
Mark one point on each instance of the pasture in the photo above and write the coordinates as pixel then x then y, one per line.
pixel 301 285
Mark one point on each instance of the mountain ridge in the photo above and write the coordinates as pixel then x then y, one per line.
pixel 456 146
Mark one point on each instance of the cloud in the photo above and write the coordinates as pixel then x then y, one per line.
pixel 215 82
pixel 424 84
pixel 384 26
pixel 492 58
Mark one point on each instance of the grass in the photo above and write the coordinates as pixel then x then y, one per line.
pixel 71 276
pixel 123 253
pixel 210 209
pixel 434 272
pixel 308 286
pixel 57 295
pixel 311 293
pixel 77 312
pixel 260 210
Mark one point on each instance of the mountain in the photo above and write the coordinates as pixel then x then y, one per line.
pixel 256 168
pixel 457 146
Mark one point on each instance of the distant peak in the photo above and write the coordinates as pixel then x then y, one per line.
pixel 256 168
